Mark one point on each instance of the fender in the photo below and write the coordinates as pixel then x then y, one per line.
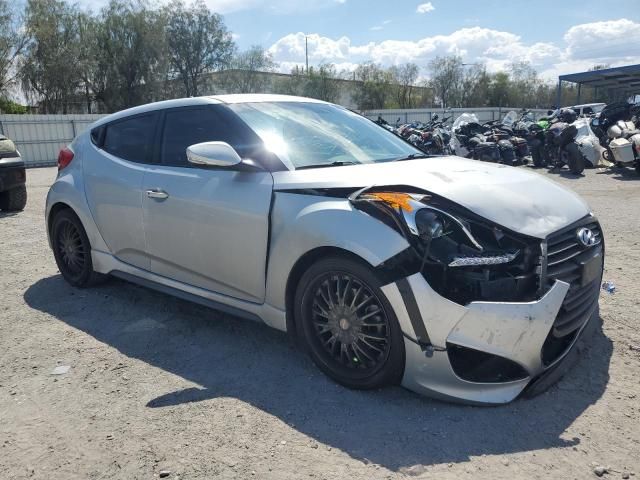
pixel 68 189
pixel 301 223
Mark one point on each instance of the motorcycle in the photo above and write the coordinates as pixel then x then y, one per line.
pixel 532 132
pixel 617 130
pixel 433 137
pixel 468 140
pixel 560 142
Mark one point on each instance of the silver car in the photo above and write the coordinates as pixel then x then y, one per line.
pixel 458 279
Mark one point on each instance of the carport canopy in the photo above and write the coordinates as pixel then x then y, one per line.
pixel 620 82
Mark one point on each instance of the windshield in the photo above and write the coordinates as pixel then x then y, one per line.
pixel 510 118
pixel 315 134
pixel 464 119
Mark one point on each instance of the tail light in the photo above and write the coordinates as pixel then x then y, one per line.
pixel 64 157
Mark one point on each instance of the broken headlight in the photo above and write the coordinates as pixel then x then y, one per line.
pixel 463 259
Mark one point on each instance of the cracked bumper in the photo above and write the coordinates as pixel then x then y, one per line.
pixel 515 331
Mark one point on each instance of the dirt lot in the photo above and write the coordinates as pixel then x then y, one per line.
pixel 156 383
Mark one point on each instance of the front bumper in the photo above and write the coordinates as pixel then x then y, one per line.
pixel 509 330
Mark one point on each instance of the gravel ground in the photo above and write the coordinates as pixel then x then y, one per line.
pixel 158 384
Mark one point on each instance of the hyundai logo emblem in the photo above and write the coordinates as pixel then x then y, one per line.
pixel 586 237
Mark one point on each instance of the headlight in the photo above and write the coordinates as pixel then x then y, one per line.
pixel 444 237
pixel 428 224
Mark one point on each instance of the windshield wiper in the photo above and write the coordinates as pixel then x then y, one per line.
pixel 323 165
pixel 412 156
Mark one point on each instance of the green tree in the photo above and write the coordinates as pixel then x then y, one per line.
pixel 131 55
pixel 246 74
pixel 322 84
pixel 404 78
pixel 12 42
pixel 374 86
pixel 198 42
pixel 446 74
pixel 49 73
pixel 292 84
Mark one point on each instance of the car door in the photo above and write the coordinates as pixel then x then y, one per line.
pixel 113 172
pixel 207 227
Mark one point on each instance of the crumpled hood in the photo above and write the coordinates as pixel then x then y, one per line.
pixel 515 198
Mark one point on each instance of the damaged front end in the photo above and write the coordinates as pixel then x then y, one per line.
pixel 462 256
pixel 485 310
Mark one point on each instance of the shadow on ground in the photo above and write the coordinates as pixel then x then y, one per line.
pixel 621 173
pixel 229 357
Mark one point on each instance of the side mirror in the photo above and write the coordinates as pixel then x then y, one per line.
pixel 435 117
pixel 595 122
pixel 213 154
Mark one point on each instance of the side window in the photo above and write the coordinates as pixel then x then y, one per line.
pixel 97 135
pixel 187 126
pixel 130 139
pixel 587 111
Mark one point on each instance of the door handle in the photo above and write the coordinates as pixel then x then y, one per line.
pixel 158 194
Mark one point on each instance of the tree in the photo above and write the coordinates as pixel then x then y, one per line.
pixel 322 84
pixel 246 74
pixel 499 90
pixel 48 72
pixel 446 75
pixel 198 42
pixel 405 77
pixel 131 55
pixel 292 84
pixel 12 43
pixel 373 90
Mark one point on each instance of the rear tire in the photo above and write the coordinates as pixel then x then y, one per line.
pixel 361 347
pixel 72 250
pixel 14 200
pixel 575 161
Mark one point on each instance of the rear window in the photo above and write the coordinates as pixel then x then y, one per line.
pixel 131 138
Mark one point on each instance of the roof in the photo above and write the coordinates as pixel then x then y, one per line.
pixel 213 99
pixel 262 97
pixel 627 77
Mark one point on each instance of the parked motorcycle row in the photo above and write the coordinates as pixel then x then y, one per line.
pixel 432 137
pixel 611 137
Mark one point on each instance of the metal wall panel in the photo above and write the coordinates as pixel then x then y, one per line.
pixel 39 138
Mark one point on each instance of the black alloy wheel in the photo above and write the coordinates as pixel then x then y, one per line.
pixel 72 250
pixel 348 326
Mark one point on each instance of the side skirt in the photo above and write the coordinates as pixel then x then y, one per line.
pixel 106 263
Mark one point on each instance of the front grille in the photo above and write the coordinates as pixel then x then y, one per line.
pixel 565 257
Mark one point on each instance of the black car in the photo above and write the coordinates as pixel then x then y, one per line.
pixel 13 191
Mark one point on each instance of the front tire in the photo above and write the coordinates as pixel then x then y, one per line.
pixel 14 200
pixel 72 250
pixel 347 325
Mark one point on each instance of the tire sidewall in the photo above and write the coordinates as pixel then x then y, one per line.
pixel 82 279
pixel 388 373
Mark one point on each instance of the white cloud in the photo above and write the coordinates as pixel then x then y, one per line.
pixel 614 42
pixel 425 8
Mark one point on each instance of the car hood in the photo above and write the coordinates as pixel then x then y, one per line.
pixel 514 198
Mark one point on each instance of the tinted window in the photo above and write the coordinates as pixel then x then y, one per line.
pixel 130 139
pixel 188 126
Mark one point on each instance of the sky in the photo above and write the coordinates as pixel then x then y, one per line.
pixel 556 37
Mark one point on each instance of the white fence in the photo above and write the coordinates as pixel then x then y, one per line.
pixel 40 137
pixel 484 114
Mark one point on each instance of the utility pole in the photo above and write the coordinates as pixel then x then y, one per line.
pixel 306 53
